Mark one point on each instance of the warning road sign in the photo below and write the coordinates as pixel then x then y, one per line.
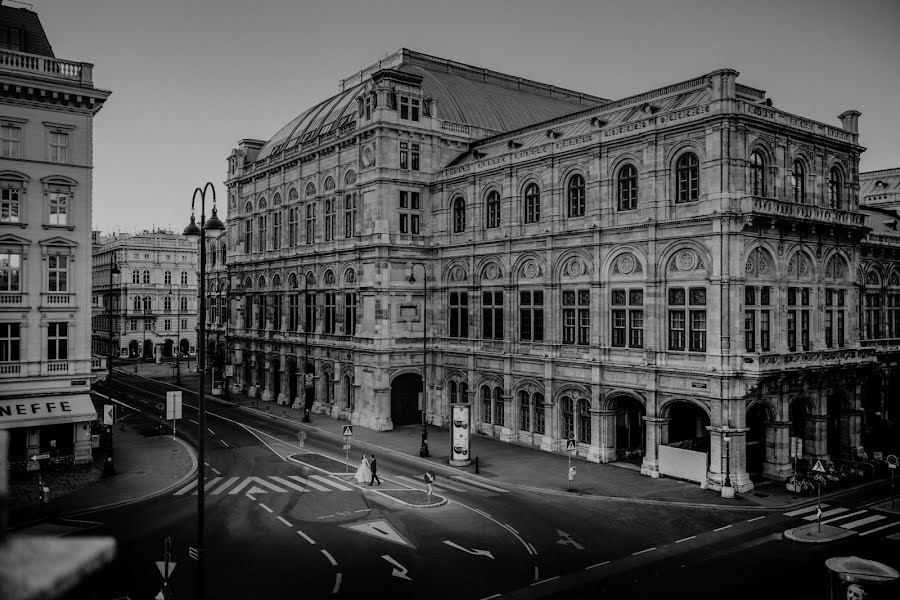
pixel 818 468
pixel 570 445
pixel 892 461
pixel 348 429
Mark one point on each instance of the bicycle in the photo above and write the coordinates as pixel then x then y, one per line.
pixel 800 485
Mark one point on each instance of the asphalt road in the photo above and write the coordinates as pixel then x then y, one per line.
pixel 267 539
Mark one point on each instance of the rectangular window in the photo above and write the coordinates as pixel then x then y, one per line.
pixel 840 329
pixel 350 313
pixel 676 319
pixel 293 312
pixel 10 342
pixel 792 330
pixel 10 272
pixel 57 340
pixel 414 157
pixel 349 215
pixel 59 208
pixel 276 230
pixel 492 315
pixel 524 413
pixel 58 273
pixel 10 205
pixel 309 318
pixel 330 312
pixel 263 232
pixel 329 218
pixel 184 323
pixel 531 316
pixel 618 327
pixel 409 108
pixel 293 233
pixel 750 330
pixel 404 223
pixel 310 223
pixel 409 220
pixel 59 146
pixel 12 38
pixel 261 312
pixel 276 312
pixel 459 314
pixel 764 331
pixel 132 324
pixel 829 329
pixel 248 235
pixel 167 324
pixel 10 141
pixel 576 317
pixel 404 155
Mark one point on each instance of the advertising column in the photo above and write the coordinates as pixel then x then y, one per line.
pixel 459 434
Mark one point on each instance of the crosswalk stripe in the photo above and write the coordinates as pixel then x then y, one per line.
pixel 211 483
pixel 308 483
pixel 828 513
pixel 228 483
pixel 186 488
pixel 838 518
pixel 339 486
pixel 889 525
pixel 865 521
pixel 287 483
pixel 800 511
pixel 479 484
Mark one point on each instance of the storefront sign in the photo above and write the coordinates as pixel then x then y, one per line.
pixel 46 410
pixel 459 434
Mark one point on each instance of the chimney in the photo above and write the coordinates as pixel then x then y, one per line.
pixel 850 120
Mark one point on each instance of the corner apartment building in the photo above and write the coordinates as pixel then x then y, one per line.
pixel 47 108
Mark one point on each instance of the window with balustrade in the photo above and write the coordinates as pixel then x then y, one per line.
pixel 10 342
pixel 575 193
pixel 687 319
pixel 57 340
pixel 757 174
pixel 835 188
pixel 11 196
pixel 798 182
pixel 58 273
pixel 798 308
pixel 835 317
pixel 757 318
pixel 10 272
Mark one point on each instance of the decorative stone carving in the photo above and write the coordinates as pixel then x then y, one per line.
pixel 350 178
pixel 871 278
pixel 457 273
pixel 350 276
pixel 368 156
pixel 531 270
pixel 686 260
pixel 575 268
pixel 626 264
pixel 492 272
pixel 895 279
pixel 329 277
pixel 781 249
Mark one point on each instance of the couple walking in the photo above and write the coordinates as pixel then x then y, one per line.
pixel 368 472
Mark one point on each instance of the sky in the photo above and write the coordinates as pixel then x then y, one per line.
pixel 192 77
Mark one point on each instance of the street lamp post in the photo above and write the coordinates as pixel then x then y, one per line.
pixel 423 451
pixel 177 337
pixel 113 270
pixel 214 228
pixel 308 315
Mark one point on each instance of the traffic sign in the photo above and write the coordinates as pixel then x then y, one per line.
pixel 819 477
pixel 173 405
pixel 892 460
pixel 818 468
pixel 163 567
pixel 346 446
pixel 192 552
pixel 570 445
pixel 348 430
pixel 108 414
pixel 39 456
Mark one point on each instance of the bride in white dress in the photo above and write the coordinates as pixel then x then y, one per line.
pixel 364 473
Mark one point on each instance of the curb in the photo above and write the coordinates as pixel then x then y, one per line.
pixel 833 534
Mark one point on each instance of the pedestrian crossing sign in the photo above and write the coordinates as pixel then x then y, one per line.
pixel 570 445
pixel 818 467
pixel 348 429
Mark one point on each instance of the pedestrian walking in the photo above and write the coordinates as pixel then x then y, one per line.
pixel 429 481
pixel 364 473
pixel 373 464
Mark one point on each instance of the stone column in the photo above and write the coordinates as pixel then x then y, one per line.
pixel 506 433
pixel 595 452
pixel 548 442
pixel 778 451
pixel 851 433
pixel 33 439
pixel 604 423
pixel 815 444
pixel 379 416
pixel 285 391
pixel 736 455
pixel 657 434
pixel 268 380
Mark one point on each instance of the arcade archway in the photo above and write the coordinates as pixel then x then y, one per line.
pixel 405 390
pixel 757 417
pixel 168 345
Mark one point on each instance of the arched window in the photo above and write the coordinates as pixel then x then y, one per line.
pixel 834 187
pixel 567 407
pixel 146 276
pixel 757 175
pixel 575 196
pixel 167 303
pixel 135 276
pixel 532 203
pixel 454 395
pixel 167 278
pixel 524 411
pixel 584 421
pixel 627 187
pixel 248 207
pixel 485 404
pixel 276 199
pixel 222 253
pixel 498 407
pixel 184 278
pixel 463 392
pixel 184 304
pixel 687 176
pixel 493 209
pixel 537 404
pixel 137 303
pixel 798 182
pixel 293 195
pixel 459 215
pixel 148 304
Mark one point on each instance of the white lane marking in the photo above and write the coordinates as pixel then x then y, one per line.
pixel 210 484
pixel 211 431
pixel 544 580
pixel 437 484
pixel 643 551
pixel 285 521
pixel 186 488
pixel 329 557
pixel 331 482
pixel 216 471
pixel 800 511
pixel 193 421
pixel 894 524
pixel 491 597
pixel 536 576
pixel 400 571
pixel 228 483
pixel 828 513
pixel 721 528
pixel 839 517
pixel 248 480
pixel 865 521
pixel 756 519
pixel 266 507
pixel 206 463
pixel 486 516
pixel 309 483
pixel 306 537
pixel 605 562
pixel 363 510
pixel 510 527
pixel 224 443
pixel 685 539
pixel 337 584
pixel 533 551
pixel 473 551
pixel 287 483
pixel 479 484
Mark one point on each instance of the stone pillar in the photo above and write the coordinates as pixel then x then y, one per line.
pixel 735 454
pixel 268 393
pixel 284 392
pixel 82 442
pixel 593 454
pixel 604 423
pixel 379 417
pixel 33 439
pixel 657 434
pixel 815 444
pixel 851 432
pixel 506 433
pixel 777 464
pixel 548 442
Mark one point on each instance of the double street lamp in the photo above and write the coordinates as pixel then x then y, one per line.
pixel 423 451
pixel 212 228
pixel 177 336
pixel 109 467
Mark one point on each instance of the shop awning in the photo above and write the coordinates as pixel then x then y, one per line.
pixel 46 410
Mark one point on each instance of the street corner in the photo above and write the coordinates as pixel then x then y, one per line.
pixel 814 534
pixel 413 498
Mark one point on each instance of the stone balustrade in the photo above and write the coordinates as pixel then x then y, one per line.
pixel 802 212
pixel 46 66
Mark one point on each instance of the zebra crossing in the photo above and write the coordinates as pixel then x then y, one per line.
pixel 863 521
pixel 256 484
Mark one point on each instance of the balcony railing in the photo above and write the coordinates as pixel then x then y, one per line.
pixel 57 366
pixel 58 299
pixel 10 299
pixel 802 212
pixel 827 356
pixel 46 66
pixel 10 369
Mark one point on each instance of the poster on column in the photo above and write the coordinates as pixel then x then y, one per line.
pixel 459 434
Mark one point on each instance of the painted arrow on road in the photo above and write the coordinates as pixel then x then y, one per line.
pixel 400 571
pixel 473 552
pixel 566 539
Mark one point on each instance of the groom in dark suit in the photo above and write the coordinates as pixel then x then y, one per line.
pixel 374 467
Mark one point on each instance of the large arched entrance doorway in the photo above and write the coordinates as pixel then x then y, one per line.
pixel 184 346
pixel 798 415
pixel 630 432
pixel 148 349
pixel 838 441
pixel 134 348
pixel 291 374
pixel 168 345
pixel 757 417
pixel 688 426
pixel 405 390
pixel 276 377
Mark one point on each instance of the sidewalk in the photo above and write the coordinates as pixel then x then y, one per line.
pixel 146 466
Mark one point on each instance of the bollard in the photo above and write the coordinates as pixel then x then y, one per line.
pixel 476 465
pixel 45 494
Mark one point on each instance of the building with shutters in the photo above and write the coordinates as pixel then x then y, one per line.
pixel 669 278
